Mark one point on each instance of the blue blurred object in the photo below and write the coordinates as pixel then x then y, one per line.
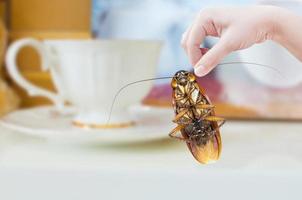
pixel 151 19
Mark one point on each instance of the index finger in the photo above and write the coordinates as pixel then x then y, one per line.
pixel 202 27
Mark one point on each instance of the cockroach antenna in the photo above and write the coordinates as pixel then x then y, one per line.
pixel 253 64
pixel 129 84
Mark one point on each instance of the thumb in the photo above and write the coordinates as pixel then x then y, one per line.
pixel 212 58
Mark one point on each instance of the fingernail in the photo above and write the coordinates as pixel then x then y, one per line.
pixel 199 70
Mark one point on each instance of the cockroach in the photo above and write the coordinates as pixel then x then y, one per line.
pixel 194 114
pixel 195 118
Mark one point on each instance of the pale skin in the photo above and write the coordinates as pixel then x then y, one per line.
pixel 239 28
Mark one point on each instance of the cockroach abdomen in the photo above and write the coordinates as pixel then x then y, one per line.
pixel 206 153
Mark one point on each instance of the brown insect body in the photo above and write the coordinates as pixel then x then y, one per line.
pixel 195 114
pixel 196 118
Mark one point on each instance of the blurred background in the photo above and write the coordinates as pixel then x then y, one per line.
pixel 125 19
pixel 271 95
pixel 261 141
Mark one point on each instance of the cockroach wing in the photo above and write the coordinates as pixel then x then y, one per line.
pixel 209 152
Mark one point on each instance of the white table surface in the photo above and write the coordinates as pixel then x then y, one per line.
pixel 260 160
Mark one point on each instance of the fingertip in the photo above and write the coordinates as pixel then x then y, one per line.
pixel 210 59
pixel 201 71
pixel 196 72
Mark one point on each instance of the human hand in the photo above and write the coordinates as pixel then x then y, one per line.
pixel 237 27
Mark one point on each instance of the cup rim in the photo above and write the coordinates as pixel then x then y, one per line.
pixel 104 41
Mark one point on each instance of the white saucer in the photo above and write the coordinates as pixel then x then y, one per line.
pixel 152 124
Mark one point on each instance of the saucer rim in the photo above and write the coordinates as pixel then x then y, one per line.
pixel 85 135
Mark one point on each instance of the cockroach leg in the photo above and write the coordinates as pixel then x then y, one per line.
pixel 221 123
pixel 200 88
pixel 219 120
pixel 179 98
pixel 179 115
pixel 191 90
pixel 216 129
pixel 215 119
pixel 205 106
pixel 175 131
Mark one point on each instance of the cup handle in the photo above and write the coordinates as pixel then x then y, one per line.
pixel 46 62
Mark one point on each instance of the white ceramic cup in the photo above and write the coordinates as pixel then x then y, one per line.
pixel 88 73
pixel 285 72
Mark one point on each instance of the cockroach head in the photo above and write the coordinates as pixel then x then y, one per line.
pixel 182 78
